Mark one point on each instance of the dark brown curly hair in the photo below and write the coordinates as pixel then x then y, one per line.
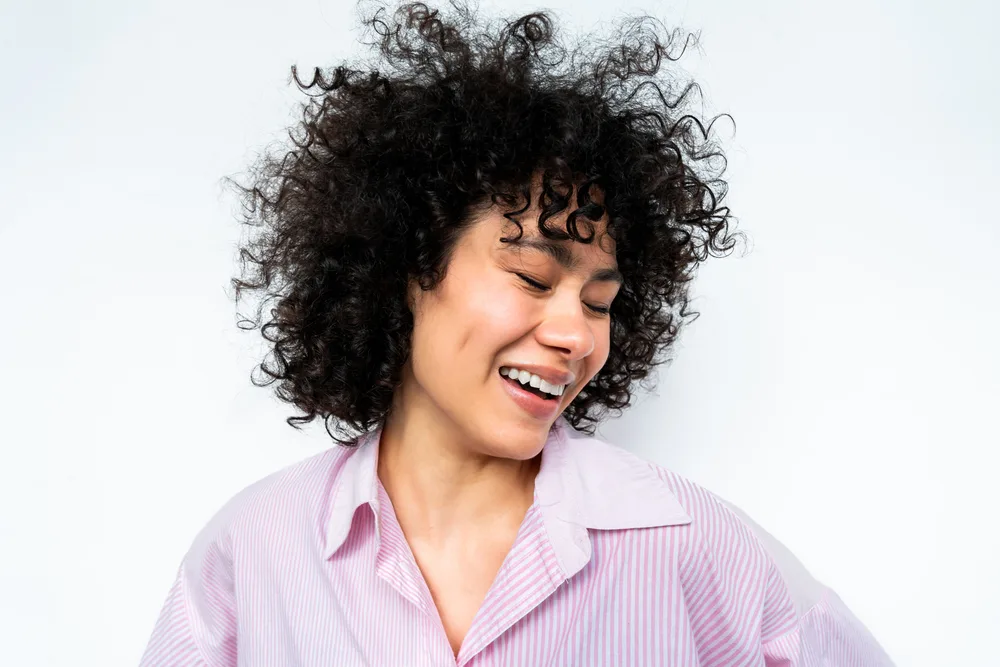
pixel 391 161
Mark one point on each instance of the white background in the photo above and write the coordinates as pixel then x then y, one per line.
pixel 840 386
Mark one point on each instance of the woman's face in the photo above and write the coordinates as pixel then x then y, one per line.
pixel 484 317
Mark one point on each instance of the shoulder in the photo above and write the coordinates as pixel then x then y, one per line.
pixel 723 524
pixel 713 519
pixel 787 574
pixel 723 556
pixel 639 481
pixel 297 491
pixel 713 510
pixel 806 591
pixel 745 573
pixel 723 529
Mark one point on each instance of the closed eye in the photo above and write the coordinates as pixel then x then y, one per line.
pixel 544 288
pixel 531 282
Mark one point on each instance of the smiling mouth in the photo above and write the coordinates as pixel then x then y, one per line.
pixel 528 388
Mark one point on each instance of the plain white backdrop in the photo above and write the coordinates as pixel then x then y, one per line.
pixel 841 385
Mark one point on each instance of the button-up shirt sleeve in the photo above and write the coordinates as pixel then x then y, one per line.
pixel 826 634
pixel 197 624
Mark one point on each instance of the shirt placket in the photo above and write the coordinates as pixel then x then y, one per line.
pixel 397 566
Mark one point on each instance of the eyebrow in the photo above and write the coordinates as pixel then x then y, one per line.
pixel 563 256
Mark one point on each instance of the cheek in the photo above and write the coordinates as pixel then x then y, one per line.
pixel 465 324
pixel 495 317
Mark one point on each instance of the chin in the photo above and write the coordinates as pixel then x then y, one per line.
pixel 520 442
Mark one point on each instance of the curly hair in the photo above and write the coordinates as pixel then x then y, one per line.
pixel 386 168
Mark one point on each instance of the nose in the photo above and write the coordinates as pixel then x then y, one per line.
pixel 567 329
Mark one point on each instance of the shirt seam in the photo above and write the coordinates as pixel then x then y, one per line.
pixel 800 621
pixel 816 605
pixel 190 626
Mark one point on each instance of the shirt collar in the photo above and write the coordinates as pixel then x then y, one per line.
pixel 582 483
pixel 356 485
pixel 590 482
pixel 585 483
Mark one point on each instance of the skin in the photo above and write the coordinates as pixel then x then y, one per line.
pixel 457 456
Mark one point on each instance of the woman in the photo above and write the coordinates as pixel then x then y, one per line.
pixel 477 257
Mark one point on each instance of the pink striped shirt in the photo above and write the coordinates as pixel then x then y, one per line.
pixel 617 562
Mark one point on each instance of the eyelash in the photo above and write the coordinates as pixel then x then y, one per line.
pixel 539 286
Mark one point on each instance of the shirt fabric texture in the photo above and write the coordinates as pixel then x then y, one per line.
pixel 618 562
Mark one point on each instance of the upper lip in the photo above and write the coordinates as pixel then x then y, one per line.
pixel 551 375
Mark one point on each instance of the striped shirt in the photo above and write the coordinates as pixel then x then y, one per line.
pixel 617 562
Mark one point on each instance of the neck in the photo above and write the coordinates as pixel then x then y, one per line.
pixel 442 490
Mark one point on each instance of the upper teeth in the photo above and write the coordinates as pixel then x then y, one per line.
pixel 524 377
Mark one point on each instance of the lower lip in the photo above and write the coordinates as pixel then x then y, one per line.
pixel 536 406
